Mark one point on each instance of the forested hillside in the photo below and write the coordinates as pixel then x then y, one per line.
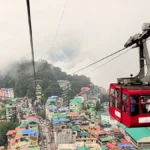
pixel 20 77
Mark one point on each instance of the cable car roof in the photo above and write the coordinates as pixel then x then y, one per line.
pixel 135 87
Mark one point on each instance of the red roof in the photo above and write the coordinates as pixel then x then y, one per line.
pixel 32 118
pixel 74 114
pixel 110 145
pixel 10 132
pixel 96 123
pixel 123 141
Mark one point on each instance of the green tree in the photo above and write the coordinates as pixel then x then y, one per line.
pixel 2 112
pixel 97 106
pixel 4 127
pixel 41 114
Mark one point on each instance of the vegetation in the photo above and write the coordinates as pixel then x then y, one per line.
pixel 99 104
pixel 4 127
pixel 41 114
pixel 20 77
pixel 2 113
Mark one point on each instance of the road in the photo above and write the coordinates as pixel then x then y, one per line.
pixel 46 143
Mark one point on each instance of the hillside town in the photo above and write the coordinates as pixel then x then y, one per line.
pixel 72 125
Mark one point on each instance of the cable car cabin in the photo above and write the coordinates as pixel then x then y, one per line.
pixel 130 105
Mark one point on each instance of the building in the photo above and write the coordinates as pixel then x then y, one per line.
pixel 139 137
pixel 11 112
pixel 106 117
pixel 25 136
pixel 65 86
pixel 66 146
pixel 76 104
pixel 6 93
pixel 38 89
pixel 63 136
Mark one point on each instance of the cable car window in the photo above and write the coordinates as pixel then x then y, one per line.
pixel 117 94
pixel 125 108
pixel 125 97
pixel 134 105
pixel 117 104
pixel 112 101
pixel 112 91
pixel 145 104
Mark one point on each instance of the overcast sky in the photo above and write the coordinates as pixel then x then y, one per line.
pixel 90 30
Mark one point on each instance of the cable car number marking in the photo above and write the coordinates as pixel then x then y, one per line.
pixel 144 119
pixel 117 114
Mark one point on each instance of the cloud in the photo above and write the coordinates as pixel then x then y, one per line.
pixel 66 53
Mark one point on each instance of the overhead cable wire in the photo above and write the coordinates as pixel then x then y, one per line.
pixel 108 61
pixel 62 14
pixel 100 60
pixel 31 37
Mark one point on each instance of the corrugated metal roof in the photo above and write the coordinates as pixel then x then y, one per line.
pixel 103 147
pixel 83 148
pixel 138 133
pixel 82 134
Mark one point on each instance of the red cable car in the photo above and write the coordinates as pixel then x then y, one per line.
pixel 129 99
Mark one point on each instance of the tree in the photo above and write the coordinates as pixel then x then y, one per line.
pixel 97 106
pixel 41 114
pixel 20 78
pixel 2 112
pixel 4 127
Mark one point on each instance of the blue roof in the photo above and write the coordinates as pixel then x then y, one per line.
pixel 126 146
pixel 63 109
pixel 60 121
pixel 52 108
pixel 77 122
pixel 28 131
pixel 53 97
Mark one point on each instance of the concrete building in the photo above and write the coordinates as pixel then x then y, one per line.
pixel 66 146
pixel 65 86
pixel 76 104
pixel 106 117
pixel 63 136
pixel 11 112
pixel 139 137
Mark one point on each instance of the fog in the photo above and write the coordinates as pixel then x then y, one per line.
pixel 89 30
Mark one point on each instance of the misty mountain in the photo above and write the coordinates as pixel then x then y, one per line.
pixel 20 77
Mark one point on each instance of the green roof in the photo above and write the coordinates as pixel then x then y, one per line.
pixel 83 148
pixel 138 133
pixel 19 132
pixel 23 125
pixel 76 100
pixel 69 124
pixel 82 134
pixel 104 139
pixel 34 148
pixel 103 147
pixel 59 116
pixel 74 128
pixel 30 121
